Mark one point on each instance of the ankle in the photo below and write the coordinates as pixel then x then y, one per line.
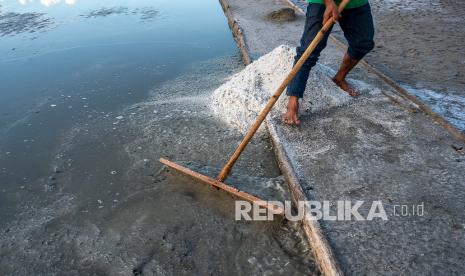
pixel 339 79
pixel 293 103
pixel 293 99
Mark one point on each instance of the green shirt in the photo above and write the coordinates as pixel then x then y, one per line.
pixel 352 4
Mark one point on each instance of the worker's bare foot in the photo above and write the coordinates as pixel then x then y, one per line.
pixel 291 117
pixel 344 85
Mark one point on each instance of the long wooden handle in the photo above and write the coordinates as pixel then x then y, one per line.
pixel 251 132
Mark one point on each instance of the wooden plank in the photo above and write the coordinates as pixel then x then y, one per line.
pixel 215 183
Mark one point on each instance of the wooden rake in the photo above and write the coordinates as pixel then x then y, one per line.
pixel 219 181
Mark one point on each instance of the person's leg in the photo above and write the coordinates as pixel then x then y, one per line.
pixel 357 25
pixel 348 63
pixel 296 87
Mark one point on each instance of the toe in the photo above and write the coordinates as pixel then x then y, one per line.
pixel 285 119
pixel 296 120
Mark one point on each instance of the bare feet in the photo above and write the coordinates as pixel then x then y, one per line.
pixel 344 85
pixel 291 117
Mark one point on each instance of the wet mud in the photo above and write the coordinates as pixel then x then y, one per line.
pixel 115 210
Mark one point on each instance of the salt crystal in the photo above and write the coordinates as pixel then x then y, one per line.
pixel 241 98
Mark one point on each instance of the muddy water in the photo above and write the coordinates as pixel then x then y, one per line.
pixel 91 96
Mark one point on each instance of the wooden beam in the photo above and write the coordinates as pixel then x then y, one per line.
pixel 319 245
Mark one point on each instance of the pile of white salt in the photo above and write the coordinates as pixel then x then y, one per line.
pixel 239 100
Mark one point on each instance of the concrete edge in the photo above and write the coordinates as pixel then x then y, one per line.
pixel 399 90
pixel 237 32
pixel 319 245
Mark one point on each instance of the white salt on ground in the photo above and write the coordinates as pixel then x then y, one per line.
pixel 238 101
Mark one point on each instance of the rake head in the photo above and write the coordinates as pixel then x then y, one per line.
pixel 225 187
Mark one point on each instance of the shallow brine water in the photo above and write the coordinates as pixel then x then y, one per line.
pixel 92 93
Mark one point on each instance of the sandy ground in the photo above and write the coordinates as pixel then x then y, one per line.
pixel 371 149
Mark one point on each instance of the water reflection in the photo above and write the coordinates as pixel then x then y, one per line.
pixel 12 23
pixel 48 3
pixel 146 13
pixel 34 19
pixel 103 12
